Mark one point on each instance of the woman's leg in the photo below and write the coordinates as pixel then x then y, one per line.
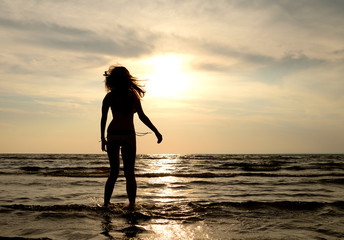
pixel 113 154
pixel 128 156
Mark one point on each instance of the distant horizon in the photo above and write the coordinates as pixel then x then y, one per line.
pixel 182 153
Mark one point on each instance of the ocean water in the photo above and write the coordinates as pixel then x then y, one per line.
pixel 57 196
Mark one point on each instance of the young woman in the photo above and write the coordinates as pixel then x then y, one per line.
pixel 123 97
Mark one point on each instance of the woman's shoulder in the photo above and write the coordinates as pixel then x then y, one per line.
pixel 107 97
pixel 134 96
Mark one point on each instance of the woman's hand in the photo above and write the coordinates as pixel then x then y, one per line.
pixel 159 137
pixel 104 145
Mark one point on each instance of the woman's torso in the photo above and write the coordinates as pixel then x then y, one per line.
pixel 123 109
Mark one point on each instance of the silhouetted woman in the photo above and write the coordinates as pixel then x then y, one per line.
pixel 123 97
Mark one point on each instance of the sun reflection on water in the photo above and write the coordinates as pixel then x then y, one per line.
pixel 174 231
pixel 164 163
pixel 164 191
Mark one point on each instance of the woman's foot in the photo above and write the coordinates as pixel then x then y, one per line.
pixel 130 207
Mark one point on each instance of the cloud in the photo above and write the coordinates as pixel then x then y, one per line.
pixel 277 70
pixel 121 42
pixel 230 52
pixel 260 67
pixel 14 110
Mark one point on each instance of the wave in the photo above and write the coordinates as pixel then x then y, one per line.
pixel 89 172
pixel 282 205
pixel 234 157
pixel 180 210
pixel 247 163
pixel 23 238
pixel 52 156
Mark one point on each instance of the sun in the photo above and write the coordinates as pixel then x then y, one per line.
pixel 168 78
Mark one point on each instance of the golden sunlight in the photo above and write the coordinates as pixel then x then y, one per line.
pixel 168 78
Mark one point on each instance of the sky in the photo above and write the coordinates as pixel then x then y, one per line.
pixel 221 76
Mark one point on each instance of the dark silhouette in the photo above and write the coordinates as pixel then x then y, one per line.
pixel 124 95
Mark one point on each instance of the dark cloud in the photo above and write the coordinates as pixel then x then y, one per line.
pixel 289 64
pixel 121 42
pixel 211 66
pixel 293 7
pixel 309 15
pixel 267 69
pixel 228 55
pixel 227 51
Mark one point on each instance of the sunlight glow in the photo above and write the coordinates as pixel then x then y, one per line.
pixel 168 78
pixel 179 231
pixel 164 164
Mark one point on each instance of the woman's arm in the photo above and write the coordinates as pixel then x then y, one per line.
pixel 105 109
pixel 146 121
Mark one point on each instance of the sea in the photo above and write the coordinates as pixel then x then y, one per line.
pixel 195 196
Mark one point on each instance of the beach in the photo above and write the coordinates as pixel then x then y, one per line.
pixel 205 196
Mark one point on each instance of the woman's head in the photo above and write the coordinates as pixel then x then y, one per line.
pixel 119 78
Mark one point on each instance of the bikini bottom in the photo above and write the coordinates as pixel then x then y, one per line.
pixel 122 140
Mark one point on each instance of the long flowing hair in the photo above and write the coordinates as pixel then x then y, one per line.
pixel 119 78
